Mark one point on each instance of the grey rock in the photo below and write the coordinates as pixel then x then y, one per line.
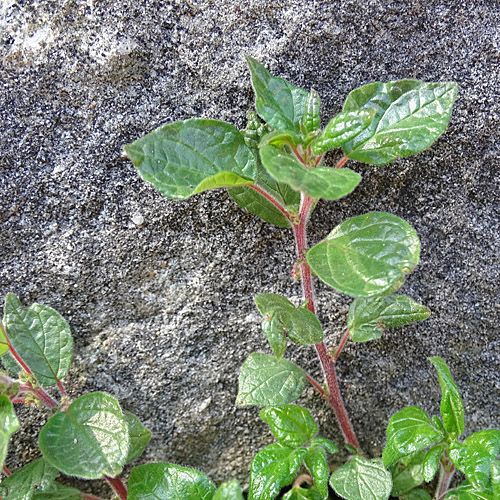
pixel 159 293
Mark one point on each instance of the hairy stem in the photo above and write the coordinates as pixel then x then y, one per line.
pixel 343 341
pixel 446 472
pixel 315 384
pixel 270 199
pixel 118 487
pixel 334 396
pixel 13 351
pixel 342 162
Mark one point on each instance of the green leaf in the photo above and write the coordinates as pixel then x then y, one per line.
pixel 417 494
pixel 56 491
pixel 362 479
pixel 164 481
pixel 280 138
pixel 436 421
pixel 475 456
pixel 272 468
pixel 452 408
pixel 283 320
pixel 42 338
pixel 25 482
pixel 431 461
pixel 298 493
pixel 315 460
pixel 311 120
pixel 342 128
pixel 319 182
pixel 291 425
pixel 407 473
pixel 325 443
pixel 266 381
pixel 495 477
pixel 467 492
pixel 409 430
pixel 89 440
pixel 410 116
pixel 139 436
pixel 229 491
pixel 366 255
pixel 368 316
pixel 8 425
pixel 184 158
pixel 277 101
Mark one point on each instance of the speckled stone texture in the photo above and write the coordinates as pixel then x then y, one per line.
pixel 159 293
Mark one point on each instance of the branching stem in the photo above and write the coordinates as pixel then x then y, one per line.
pixel 271 199
pixel 343 341
pixel 315 384
pixel 334 396
pixel 446 472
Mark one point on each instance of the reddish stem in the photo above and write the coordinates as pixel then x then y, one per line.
pixel 61 389
pixel 342 162
pixel 6 471
pixel 315 384
pixel 13 351
pixel 90 497
pixel 118 486
pixel 341 345
pixel 334 396
pixel 445 476
pixel 271 199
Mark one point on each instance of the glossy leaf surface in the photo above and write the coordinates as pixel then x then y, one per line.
pixel 325 444
pixel 416 494
pixel 165 481
pixel 368 316
pixel 277 101
pixel 409 430
pixel 495 477
pixel 272 468
pixel 42 338
pixel 266 381
pixel 366 255
pixel 297 493
pixel 229 490
pixel 362 479
pixel 318 182
pixel 281 137
pixel 9 424
pixel 410 116
pixel 88 440
pixel 342 128
pixel 139 436
pixel 475 456
pixel 184 158
pixel 25 482
pixel 451 408
pixel 407 473
pixel 467 492
pixel 315 460
pixel 291 425
pixel 431 461
pixel 311 120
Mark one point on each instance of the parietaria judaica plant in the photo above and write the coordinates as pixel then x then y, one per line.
pixel 274 169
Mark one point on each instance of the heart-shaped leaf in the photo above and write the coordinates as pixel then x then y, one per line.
pixel 184 158
pixel 342 128
pixel 452 407
pixel 366 255
pixel 315 460
pixel 139 436
pixel 318 182
pixel 368 316
pixel 277 101
pixel 42 338
pixel 362 479
pixel 410 116
pixel 291 425
pixel 475 456
pixel 266 381
pixel 409 430
pixel 89 440
pixel 24 483
pixel 229 491
pixel 272 468
pixel 8 425
pixel 168 482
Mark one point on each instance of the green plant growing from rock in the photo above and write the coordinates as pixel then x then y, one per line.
pixel 273 169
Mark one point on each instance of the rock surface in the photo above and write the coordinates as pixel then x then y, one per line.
pixel 159 293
